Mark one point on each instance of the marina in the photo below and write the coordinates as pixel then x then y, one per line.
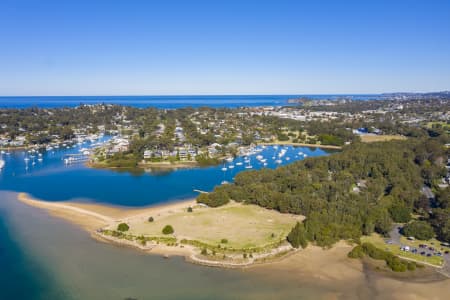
pixel 65 170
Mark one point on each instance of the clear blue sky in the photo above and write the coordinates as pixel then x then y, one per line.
pixel 88 47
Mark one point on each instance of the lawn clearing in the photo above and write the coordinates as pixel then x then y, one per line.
pixel 243 226
pixel 371 138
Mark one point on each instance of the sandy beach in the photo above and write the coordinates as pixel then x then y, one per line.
pixel 330 268
pixel 93 216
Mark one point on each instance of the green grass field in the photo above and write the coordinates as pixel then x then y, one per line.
pixel 243 226
pixel 442 124
pixel 369 138
pixel 379 242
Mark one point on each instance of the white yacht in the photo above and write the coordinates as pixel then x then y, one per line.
pixel 2 164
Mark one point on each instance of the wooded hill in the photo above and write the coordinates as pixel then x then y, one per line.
pixel 358 191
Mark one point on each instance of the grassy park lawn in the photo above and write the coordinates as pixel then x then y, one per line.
pixel 370 138
pixel 379 242
pixel 243 226
pixel 442 124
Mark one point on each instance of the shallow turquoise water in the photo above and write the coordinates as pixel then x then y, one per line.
pixel 46 258
pixel 42 257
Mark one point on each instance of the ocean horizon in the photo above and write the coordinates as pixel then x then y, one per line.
pixel 171 102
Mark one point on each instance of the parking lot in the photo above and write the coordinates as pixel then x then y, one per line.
pixel 424 249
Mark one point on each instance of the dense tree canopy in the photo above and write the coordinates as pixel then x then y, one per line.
pixel 418 229
pixel 344 195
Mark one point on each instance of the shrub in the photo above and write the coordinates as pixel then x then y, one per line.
pixel 373 251
pixel 418 229
pixel 393 262
pixel 357 252
pixel 224 241
pixel 123 227
pixel 204 251
pixel 396 264
pixel 411 266
pixel 150 219
pixel 168 229
pixel 189 209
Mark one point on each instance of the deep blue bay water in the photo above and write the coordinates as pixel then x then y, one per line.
pixel 53 180
pixel 47 258
pixel 166 102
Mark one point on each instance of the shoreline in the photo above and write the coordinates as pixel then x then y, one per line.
pixel 152 165
pixel 328 268
pixel 303 145
pixel 94 218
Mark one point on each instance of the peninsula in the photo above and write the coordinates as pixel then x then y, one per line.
pixel 234 235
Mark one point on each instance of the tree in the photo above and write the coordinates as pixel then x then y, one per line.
pixel 189 209
pixel 150 219
pixel 297 236
pixel 383 223
pixel 123 227
pixel 400 213
pixel 217 198
pixel 168 229
pixel 418 229
pixel 440 220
